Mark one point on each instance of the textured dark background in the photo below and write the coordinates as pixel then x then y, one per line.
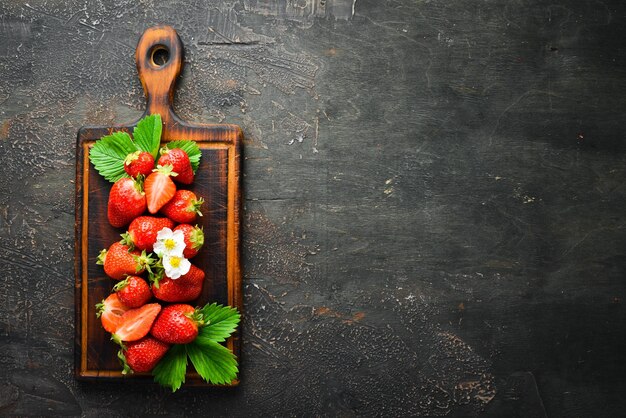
pixel 434 200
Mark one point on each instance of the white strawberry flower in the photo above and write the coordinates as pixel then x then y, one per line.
pixel 169 243
pixel 175 266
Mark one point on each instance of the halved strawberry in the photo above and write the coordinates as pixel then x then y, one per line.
pixel 110 312
pixel 136 323
pixel 142 355
pixel 138 162
pixel 179 160
pixel 184 207
pixel 194 239
pixel 159 188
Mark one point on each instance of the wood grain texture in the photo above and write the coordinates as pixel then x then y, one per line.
pixel 433 220
pixel 217 181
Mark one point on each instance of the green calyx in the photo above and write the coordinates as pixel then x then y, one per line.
pixel 116 339
pixel 102 257
pixel 197 316
pixel 133 156
pixel 156 273
pixel 127 240
pixel 195 206
pixel 197 238
pixel 126 368
pixel 167 169
pixel 100 308
pixel 138 183
pixel 120 285
pixel 144 261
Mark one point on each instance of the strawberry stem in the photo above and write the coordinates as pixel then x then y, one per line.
pixel 195 206
pixel 197 238
pixel 120 285
pixel 100 307
pixel 126 368
pixel 127 240
pixel 102 257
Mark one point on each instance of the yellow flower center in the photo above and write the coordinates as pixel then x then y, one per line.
pixel 175 261
pixel 170 244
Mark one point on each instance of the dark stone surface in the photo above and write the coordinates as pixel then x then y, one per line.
pixel 434 216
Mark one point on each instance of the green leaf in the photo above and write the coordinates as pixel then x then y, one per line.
pixel 214 362
pixel 147 134
pixel 222 321
pixel 108 153
pixel 192 150
pixel 171 369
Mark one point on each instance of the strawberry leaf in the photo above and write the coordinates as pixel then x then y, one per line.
pixel 214 362
pixel 108 153
pixel 171 369
pixel 147 134
pixel 192 150
pixel 222 321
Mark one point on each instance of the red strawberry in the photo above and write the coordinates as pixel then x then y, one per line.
pixel 183 208
pixel 142 355
pixel 184 289
pixel 138 162
pixel 179 160
pixel 133 292
pixel 126 201
pixel 142 232
pixel 110 312
pixel 120 261
pixel 159 188
pixel 177 324
pixel 136 323
pixel 194 239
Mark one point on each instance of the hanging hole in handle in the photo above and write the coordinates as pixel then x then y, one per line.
pixel 159 56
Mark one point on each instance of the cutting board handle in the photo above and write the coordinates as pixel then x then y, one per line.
pixel 159 57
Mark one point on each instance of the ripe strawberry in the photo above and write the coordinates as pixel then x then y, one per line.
pixel 183 208
pixel 177 324
pixel 159 188
pixel 142 232
pixel 194 239
pixel 126 201
pixel 138 162
pixel 120 261
pixel 179 160
pixel 136 323
pixel 142 355
pixel 110 312
pixel 184 289
pixel 133 292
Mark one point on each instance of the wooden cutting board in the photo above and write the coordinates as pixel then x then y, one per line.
pixel 159 62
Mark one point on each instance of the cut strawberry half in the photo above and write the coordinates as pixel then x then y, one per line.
pixel 136 323
pixel 159 188
pixel 110 311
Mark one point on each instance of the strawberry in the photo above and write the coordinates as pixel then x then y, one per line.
pixel 142 355
pixel 184 289
pixel 138 163
pixel 183 208
pixel 126 201
pixel 110 312
pixel 194 239
pixel 136 323
pixel 177 324
pixel 179 160
pixel 159 188
pixel 120 261
pixel 142 232
pixel 133 292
